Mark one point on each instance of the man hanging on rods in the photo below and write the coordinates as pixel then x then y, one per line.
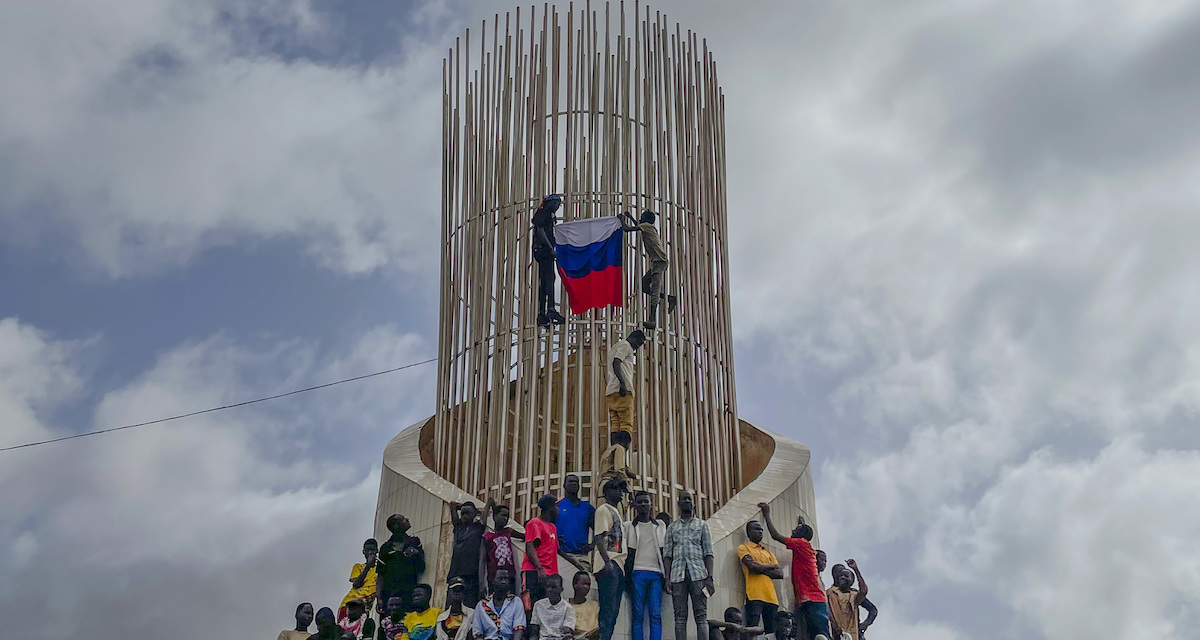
pixel 656 253
pixel 546 256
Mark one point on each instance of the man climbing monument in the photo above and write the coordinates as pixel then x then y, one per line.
pixel 656 253
pixel 545 256
pixel 619 398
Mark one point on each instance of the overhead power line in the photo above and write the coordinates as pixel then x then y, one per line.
pixel 221 408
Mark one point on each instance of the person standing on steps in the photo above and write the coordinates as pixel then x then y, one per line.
pixel 619 400
pixel 688 555
pixel 760 569
pixel 400 563
pixel 608 557
pixel 810 600
pixel 467 552
pixel 646 537
pixel 574 519
pixel 499 546
pixel 545 255
pixel 656 254
pixel 541 548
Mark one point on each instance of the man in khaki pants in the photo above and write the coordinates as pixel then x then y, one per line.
pixel 619 398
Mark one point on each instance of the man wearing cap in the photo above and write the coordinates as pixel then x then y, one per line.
pixel 608 557
pixel 541 547
pixel 656 253
pixel 455 622
pixel 545 255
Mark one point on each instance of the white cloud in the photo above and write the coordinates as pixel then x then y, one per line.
pixel 1100 547
pixel 261 497
pixel 141 132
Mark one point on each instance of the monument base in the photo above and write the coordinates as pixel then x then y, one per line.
pixel 408 486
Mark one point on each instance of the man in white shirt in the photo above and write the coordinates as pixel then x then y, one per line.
pixel 608 559
pixel 619 400
pixel 645 537
pixel 553 617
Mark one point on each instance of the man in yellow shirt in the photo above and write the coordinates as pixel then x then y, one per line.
pixel 761 569
pixel 362 579
pixel 421 621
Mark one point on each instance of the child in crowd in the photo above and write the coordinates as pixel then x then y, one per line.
pixel 553 618
pixel 732 628
pixel 587 612
pixel 356 623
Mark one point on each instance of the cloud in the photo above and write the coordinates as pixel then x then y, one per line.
pixel 152 136
pixel 1056 538
pixel 247 511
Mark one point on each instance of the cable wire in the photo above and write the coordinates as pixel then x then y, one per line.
pixel 221 408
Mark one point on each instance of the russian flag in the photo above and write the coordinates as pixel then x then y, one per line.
pixel 589 261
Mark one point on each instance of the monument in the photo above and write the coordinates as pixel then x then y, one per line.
pixel 616 110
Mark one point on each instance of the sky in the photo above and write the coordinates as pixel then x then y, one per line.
pixel 963 250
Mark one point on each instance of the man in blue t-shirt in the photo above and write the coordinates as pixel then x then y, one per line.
pixel 574 519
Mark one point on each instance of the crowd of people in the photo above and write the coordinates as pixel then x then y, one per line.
pixel 642 559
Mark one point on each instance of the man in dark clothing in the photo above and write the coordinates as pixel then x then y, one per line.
pixel 656 255
pixel 545 254
pixel 400 563
pixel 327 627
pixel 468 549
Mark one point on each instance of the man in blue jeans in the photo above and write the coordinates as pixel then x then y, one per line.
pixel 645 536
pixel 608 560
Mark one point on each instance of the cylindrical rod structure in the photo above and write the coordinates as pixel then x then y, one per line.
pixel 617 111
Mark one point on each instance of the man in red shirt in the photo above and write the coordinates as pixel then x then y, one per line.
pixel 810 598
pixel 541 547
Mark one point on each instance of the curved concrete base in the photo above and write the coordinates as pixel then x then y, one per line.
pixel 408 486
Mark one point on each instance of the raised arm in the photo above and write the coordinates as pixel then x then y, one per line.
pixel 862 584
pixel 775 535
pixel 487 512
pixel 632 226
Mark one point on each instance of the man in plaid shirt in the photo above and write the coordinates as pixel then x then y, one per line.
pixel 688 557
